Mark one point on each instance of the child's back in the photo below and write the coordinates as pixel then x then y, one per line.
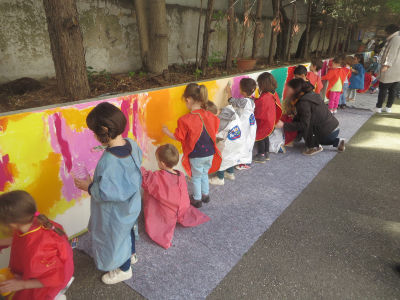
pixel 267 113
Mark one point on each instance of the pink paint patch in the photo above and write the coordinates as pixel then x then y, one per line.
pixel 64 147
pixel 236 86
pixel 80 145
pixel 5 173
pixel 125 108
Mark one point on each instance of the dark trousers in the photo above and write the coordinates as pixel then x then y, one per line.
pixel 385 89
pixel 125 267
pixel 221 174
pixel 330 139
pixel 263 146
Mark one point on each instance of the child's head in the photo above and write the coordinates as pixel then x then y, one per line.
pixel 195 94
pixel 106 121
pixel 211 107
pixel 18 208
pixel 316 64
pixel 267 83
pixel 349 60
pixel 300 72
pixel 247 86
pixel 167 156
pixel 297 87
pixel 337 62
pixel 359 58
pixel 392 28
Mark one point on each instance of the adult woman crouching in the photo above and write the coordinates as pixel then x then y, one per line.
pixel 312 118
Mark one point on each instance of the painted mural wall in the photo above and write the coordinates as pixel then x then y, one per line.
pixel 39 148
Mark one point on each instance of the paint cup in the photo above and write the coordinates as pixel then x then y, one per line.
pixel 79 171
pixel 5 274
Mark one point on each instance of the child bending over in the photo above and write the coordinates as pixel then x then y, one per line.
pixel 197 132
pixel 41 256
pixel 166 199
pixel 115 194
pixel 268 113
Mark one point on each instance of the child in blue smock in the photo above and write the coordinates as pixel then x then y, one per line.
pixel 356 81
pixel 115 194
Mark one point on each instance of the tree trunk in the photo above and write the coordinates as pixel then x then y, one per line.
pixel 348 40
pixel 332 38
pixel 141 18
pixel 257 30
pixel 283 36
pixel 158 36
pixel 198 35
pixel 244 28
pixel 206 36
pixel 231 16
pixel 318 51
pixel 323 52
pixel 274 31
pixel 67 48
pixel 306 48
pixel 293 22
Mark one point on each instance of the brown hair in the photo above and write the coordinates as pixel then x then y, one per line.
pixel 267 83
pixel 349 60
pixel 211 107
pixel 168 154
pixel 248 86
pixel 198 93
pixel 317 63
pixel 106 121
pixel 19 207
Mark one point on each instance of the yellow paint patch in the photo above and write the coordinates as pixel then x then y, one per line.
pixel 75 118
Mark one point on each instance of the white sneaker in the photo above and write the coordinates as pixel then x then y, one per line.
pixel 116 276
pixel 378 110
pixel 387 109
pixel 216 181
pixel 230 176
pixel 134 259
pixel 335 111
pixel 60 297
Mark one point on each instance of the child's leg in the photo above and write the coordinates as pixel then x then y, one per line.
pixel 337 97
pixel 133 240
pixel 197 172
pixel 205 187
pixel 230 170
pixel 260 147
pixel 266 145
pixel 221 174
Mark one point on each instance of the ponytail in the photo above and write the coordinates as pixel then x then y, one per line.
pixel 45 222
pixel 198 93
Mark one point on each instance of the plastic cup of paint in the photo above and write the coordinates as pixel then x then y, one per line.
pixel 79 171
pixel 5 274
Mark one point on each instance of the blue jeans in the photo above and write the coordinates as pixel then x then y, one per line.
pixel 342 99
pixel 125 267
pixel 331 139
pixel 200 167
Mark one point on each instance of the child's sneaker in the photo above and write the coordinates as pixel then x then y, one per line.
pixel 242 167
pixel 216 181
pixel 134 259
pixel 342 146
pixel 259 158
pixel 282 149
pixel 116 276
pixel 388 109
pixel 312 151
pixel 205 198
pixel 195 203
pixel 335 111
pixel 266 156
pixel 378 110
pixel 230 176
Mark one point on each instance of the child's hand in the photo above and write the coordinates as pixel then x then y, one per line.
pixel 228 91
pixel 384 69
pixel 83 184
pixel 279 124
pixel 12 285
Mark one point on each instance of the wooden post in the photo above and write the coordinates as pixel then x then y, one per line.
pixel 206 36
pixel 141 18
pixel 67 48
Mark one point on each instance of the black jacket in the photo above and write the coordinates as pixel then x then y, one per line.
pixel 313 119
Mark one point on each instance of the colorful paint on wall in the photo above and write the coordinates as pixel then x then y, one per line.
pixel 39 148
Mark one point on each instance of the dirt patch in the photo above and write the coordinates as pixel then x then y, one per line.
pixel 103 83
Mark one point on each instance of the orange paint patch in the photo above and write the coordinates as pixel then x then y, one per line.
pixel 3 124
pixel 75 118
pixel 47 189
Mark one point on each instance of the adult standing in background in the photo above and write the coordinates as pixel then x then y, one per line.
pixel 390 69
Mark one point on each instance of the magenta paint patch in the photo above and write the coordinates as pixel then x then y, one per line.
pixel 5 174
pixel 236 86
pixel 125 108
pixel 64 146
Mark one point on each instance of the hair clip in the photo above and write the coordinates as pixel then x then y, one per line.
pixel 37 214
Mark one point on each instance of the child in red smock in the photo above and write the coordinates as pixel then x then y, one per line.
pixel 267 112
pixel 166 199
pixel 41 257
pixel 313 75
pixel 197 132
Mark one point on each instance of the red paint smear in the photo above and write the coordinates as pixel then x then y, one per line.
pixel 66 153
pixel 3 124
pixel 125 107
pixel 5 172
pixel 290 76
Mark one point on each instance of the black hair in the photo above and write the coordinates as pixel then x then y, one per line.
pixel 300 87
pixel 106 121
pixel 392 28
pixel 360 57
pixel 248 86
pixel 300 70
pixel 317 63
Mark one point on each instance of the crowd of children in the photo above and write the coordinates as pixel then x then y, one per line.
pixel 214 141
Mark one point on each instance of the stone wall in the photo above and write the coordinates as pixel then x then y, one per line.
pixel 110 35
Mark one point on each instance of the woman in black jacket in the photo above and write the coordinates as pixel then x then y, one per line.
pixel 312 118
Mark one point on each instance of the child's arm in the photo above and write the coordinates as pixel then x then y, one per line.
pixel 15 285
pixel 238 102
pixel 168 132
pixel 5 242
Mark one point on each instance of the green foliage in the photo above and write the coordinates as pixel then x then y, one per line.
pixel 131 74
pixel 214 58
pixel 197 73
pixel 90 73
pixel 218 17
pixel 106 75
pixel 142 74
pixel 394 5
